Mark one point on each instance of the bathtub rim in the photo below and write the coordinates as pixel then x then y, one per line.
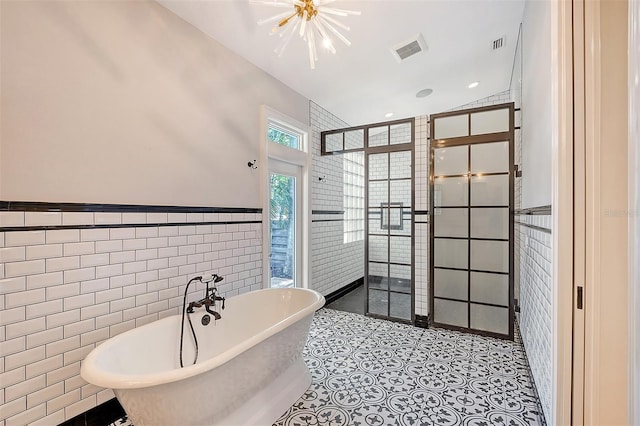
pixel 92 374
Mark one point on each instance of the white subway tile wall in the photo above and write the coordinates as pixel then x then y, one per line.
pixel 498 98
pixel 421 184
pixel 536 315
pixel 334 264
pixel 64 291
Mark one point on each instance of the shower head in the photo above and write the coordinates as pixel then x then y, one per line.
pixel 216 278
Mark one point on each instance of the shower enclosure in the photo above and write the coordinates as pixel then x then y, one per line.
pixel 389 200
pixel 471 227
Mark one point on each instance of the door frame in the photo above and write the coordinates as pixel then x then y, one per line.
pixel 295 171
pixel 298 157
pixel 562 132
pixel 634 206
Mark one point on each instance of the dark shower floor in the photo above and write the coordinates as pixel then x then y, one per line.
pixel 354 301
pixel 350 302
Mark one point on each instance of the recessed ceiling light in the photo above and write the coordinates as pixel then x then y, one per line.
pixel 389 114
pixel 424 93
pixel 474 84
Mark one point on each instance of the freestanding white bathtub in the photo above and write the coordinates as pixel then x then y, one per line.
pixel 250 368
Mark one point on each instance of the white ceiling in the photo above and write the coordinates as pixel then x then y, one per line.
pixel 362 83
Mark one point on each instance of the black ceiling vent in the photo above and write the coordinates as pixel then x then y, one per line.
pixel 498 43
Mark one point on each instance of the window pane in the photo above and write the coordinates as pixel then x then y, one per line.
pixel 282 137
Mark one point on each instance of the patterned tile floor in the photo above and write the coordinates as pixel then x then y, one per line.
pixel 374 372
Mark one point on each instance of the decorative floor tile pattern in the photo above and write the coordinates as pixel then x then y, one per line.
pixel 374 372
pixel 371 372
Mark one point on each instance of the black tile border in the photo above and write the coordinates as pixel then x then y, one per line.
pixel 421 321
pixel 335 295
pixel 100 415
pixel 327 212
pixel 540 210
pixel 121 225
pixel 326 220
pixel 537 228
pixel 36 206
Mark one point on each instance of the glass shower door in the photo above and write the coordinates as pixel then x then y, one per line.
pixel 389 248
pixel 471 225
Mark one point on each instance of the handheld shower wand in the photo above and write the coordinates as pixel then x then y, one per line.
pixel 184 311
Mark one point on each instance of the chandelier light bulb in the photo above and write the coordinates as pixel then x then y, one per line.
pixel 313 20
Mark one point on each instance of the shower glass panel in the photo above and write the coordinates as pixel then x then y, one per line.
pixel 454 126
pixel 451 222
pixel 378 136
pixel 390 205
pixel 492 190
pixel 334 142
pixel 471 226
pixel 490 288
pixel 354 139
pixel 451 161
pixel 489 157
pixel 378 302
pixel 450 191
pixel 495 121
pixel 400 305
pixel 450 284
pixel 400 133
pixel 490 223
pixel 379 166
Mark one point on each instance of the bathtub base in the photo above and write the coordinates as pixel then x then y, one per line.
pixel 270 403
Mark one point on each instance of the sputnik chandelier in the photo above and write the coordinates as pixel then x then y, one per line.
pixel 310 19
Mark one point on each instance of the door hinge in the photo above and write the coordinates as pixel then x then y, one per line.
pixel 579 298
pixel 516 168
